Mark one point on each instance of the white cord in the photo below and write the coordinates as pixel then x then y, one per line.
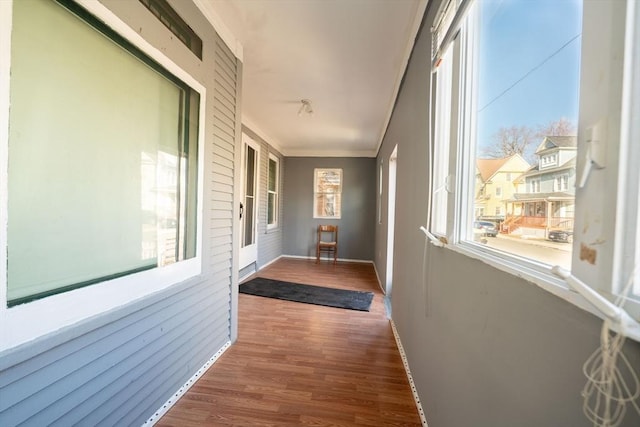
pixel 428 235
pixel 606 392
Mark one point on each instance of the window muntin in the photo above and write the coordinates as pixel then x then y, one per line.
pixel 272 191
pixel 509 65
pixel 105 183
pixel 327 197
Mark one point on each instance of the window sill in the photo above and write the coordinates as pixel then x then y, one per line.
pixel 537 273
pixel 66 309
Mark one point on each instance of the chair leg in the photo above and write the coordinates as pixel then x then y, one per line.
pixel 335 255
pixel 317 254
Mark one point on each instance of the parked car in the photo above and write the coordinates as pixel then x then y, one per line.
pixel 565 236
pixel 486 228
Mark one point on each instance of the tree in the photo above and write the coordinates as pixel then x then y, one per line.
pixel 562 127
pixel 523 140
pixel 508 141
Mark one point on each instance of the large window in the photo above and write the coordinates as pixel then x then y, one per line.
pixel 272 192
pixel 530 107
pixel 522 55
pixel 103 156
pixel 327 197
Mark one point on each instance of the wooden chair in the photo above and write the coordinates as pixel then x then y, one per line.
pixel 327 241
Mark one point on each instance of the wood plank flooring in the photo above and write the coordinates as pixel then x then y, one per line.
pixel 298 364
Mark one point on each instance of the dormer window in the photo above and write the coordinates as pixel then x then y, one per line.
pixel 548 160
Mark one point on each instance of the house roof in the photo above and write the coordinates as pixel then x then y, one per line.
pixel 489 167
pixel 551 142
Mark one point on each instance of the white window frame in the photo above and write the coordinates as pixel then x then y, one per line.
pixel 17 324
pixel 440 186
pixel 607 277
pixel 338 214
pixel 627 251
pixel 535 185
pixel 561 182
pixel 276 213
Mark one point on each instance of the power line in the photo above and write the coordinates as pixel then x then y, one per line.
pixel 528 73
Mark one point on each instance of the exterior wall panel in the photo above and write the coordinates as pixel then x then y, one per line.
pixel 118 368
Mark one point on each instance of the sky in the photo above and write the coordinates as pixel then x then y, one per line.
pixel 526 76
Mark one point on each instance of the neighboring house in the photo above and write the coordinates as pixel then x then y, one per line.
pixel 495 185
pixel 548 198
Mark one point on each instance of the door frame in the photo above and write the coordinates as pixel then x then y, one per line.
pixel 391 218
pixel 249 254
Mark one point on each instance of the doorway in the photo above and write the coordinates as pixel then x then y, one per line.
pixel 249 202
pixel 391 219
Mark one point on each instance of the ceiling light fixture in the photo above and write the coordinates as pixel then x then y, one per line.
pixel 305 107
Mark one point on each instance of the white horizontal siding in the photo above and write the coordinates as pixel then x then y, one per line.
pixel 120 367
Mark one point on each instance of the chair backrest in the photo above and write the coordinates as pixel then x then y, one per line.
pixel 330 229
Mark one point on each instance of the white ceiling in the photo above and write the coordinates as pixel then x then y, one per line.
pixel 346 56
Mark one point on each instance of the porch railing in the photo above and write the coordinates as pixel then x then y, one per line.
pixel 514 222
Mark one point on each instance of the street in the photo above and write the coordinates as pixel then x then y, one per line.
pixel 552 253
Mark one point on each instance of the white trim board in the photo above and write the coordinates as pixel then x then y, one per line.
pixel 246 276
pixel 378 278
pixel 415 29
pixel 182 390
pixel 414 391
pixel 270 262
pixel 220 27
pixel 361 261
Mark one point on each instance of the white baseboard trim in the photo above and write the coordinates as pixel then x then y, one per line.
pixel 414 391
pixel 384 291
pixel 178 394
pixel 361 261
pixel 270 262
pixel 246 276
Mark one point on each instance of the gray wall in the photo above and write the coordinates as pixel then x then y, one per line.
pixel 485 348
pixel 269 240
pixel 119 367
pixel 356 227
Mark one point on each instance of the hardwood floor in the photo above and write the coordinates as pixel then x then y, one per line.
pixel 298 364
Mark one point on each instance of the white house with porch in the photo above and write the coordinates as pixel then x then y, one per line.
pixel 548 200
